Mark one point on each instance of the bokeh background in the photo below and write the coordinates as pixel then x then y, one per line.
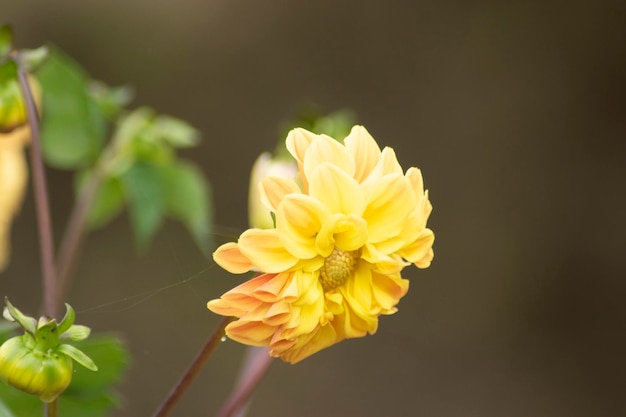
pixel 514 111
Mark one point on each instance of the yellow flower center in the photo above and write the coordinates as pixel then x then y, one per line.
pixel 337 268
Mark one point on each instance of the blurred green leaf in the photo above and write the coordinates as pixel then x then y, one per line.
pixel 107 203
pixel 4 410
pixel 72 123
pixel 111 100
pixel 6 41
pixel 188 198
pixel 12 110
pixel 176 132
pixel 144 194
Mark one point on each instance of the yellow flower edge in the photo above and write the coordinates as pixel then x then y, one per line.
pixel 345 230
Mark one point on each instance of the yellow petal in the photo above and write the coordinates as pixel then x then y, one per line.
pixel 229 257
pixel 336 190
pixel 274 189
pixel 347 233
pixel 364 150
pixel 298 220
pixel 298 141
pixel 420 251
pixel 325 149
pixel 265 250
pixel 390 201
pixel 388 289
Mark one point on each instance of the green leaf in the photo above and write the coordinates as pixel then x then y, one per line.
pixel 188 198
pixel 78 355
pixel 106 204
pixel 176 132
pixel 72 123
pixel 111 100
pixel 144 193
pixel 4 410
pixel 6 41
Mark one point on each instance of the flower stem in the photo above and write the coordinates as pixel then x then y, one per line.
pixel 256 365
pixel 46 245
pixel 52 409
pixel 193 370
pixel 73 236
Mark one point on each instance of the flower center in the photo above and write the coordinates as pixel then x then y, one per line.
pixel 337 268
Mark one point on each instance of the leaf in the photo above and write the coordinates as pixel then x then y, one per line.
pixel 188 198
pixel 4 410
pixel 176 132
pixel 33 58
pixel 109 353
pixel 107 203
pixel 144 193
pixel 73 126
pixel 6 41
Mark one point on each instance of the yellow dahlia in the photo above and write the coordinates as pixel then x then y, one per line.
pixel 345 229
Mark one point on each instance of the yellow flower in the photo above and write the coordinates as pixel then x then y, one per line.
pixel 13 168
pixel 345 229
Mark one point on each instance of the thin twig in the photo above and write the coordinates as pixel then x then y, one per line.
pixel 255 368
pixel 73 236
pixel 193 370
pixel 46 245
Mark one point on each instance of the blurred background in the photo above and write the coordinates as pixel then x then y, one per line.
pixel 515 113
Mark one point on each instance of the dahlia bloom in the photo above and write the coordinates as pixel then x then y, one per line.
pixel 345 229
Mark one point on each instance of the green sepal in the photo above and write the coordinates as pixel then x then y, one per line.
pixel 77 333
pixel 176 132
pixel 111 100
pixel 78 356
pixel 28 323
pixel 47 335
pixel 68 319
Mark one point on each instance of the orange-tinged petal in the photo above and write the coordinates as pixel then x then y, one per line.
pixel 250 333
pixel 229 257
pixel 388 289
pixel 364 150
pixel 274 189
pixel 265 250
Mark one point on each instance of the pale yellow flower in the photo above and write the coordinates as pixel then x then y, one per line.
pixel 13 179
pixel 345 229
pixel 13 167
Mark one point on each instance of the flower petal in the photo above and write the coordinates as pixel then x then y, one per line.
pixel 229 257
pixel 298 220
pixel 265 250
pixel 390 201
pixel 325 149
pixel 336 190
pixel 364 150
pixel 274 189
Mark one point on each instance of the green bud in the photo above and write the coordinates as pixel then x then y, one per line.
pixel 37 362
pixel 28 369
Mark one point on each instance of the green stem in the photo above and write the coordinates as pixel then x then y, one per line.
pixel 46 245
pixel 255 367
pixel 193 370
pixel 73 236
pixel 52 409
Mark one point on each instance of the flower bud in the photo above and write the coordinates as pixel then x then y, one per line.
pixel 45 374
pixel 37 362
pixel 259 216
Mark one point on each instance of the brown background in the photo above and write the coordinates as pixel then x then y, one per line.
pixel 515 113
